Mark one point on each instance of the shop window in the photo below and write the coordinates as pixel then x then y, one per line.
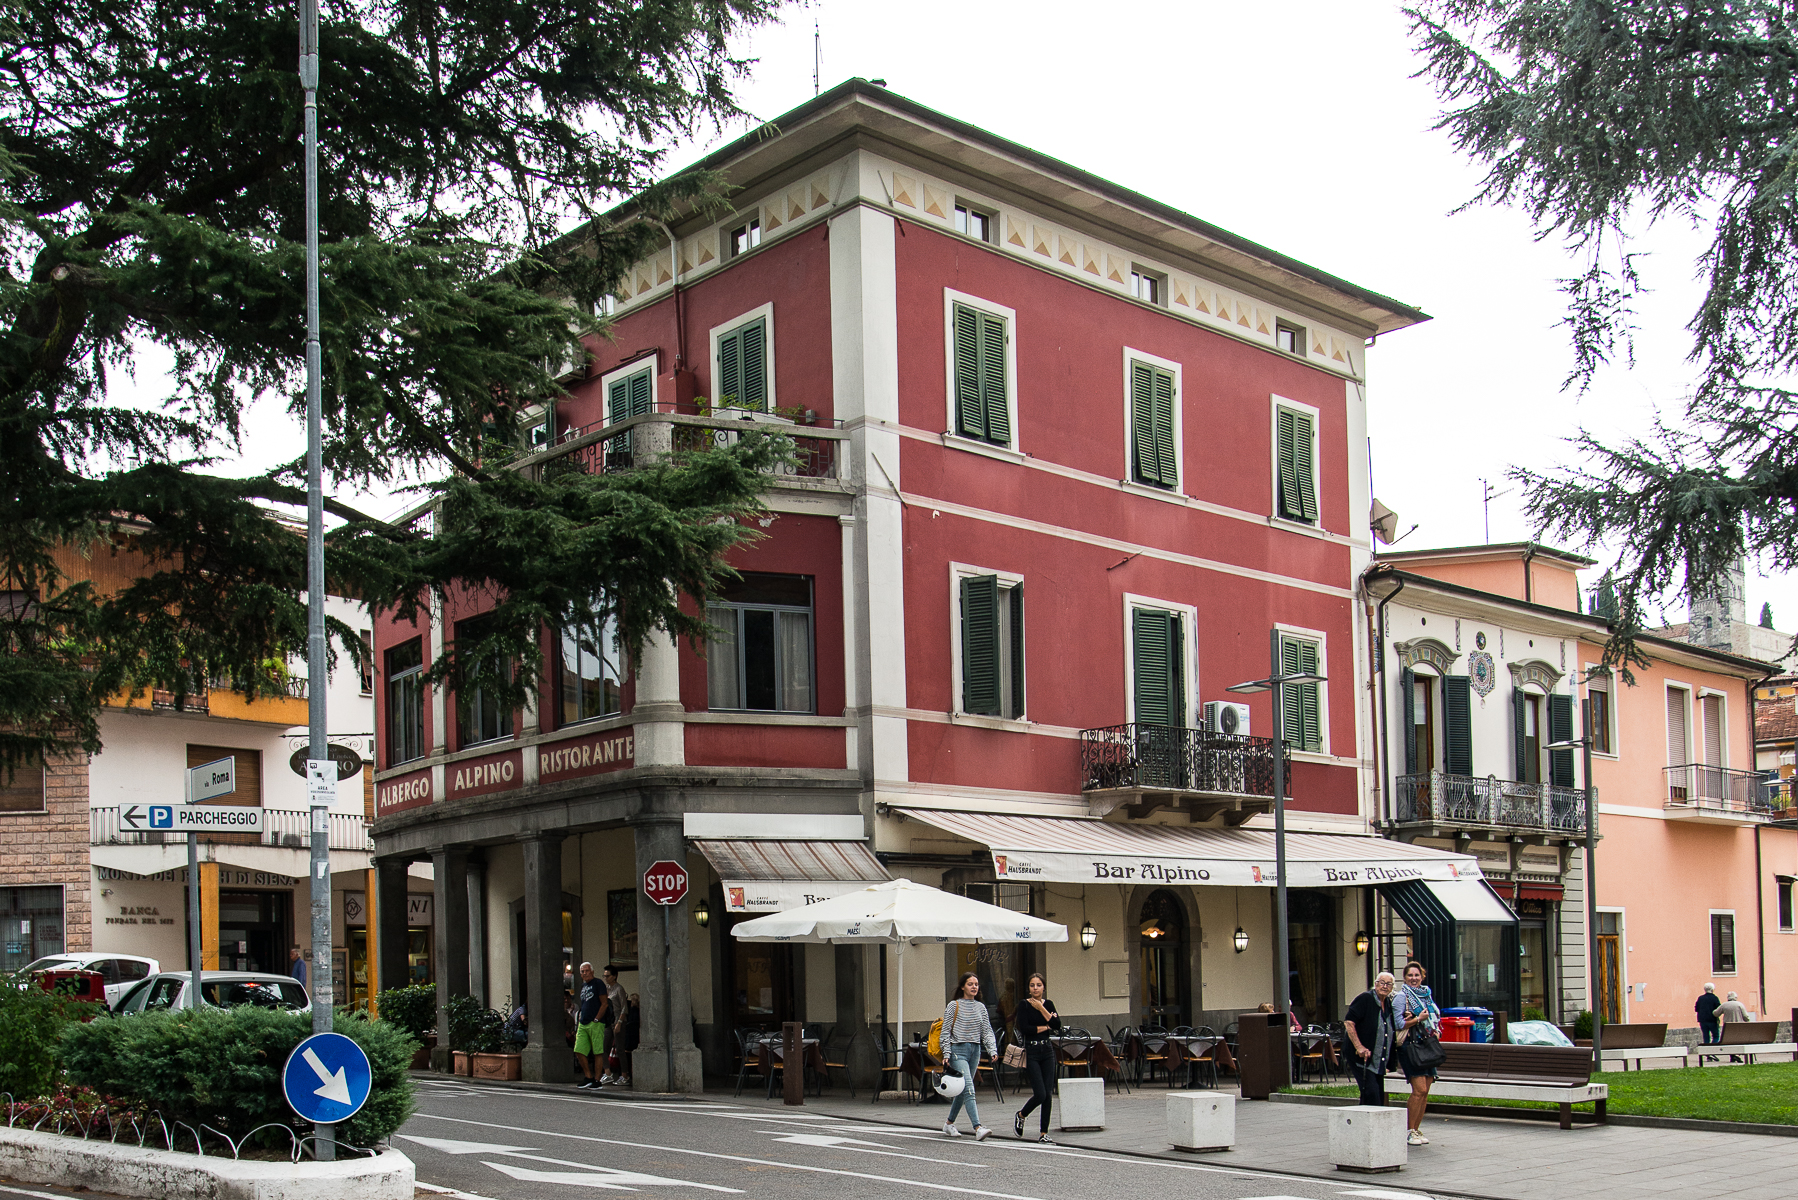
pixel 589 666
pixel 760 658
pixel 405 702
pixel 30 925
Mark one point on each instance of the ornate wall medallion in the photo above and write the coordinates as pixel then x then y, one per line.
pixel 1482 672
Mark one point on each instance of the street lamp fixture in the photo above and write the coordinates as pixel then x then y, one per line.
pixel 1584 745
pixel 1282 931
pixel 1241 940
pixel 1362 941
pixel 1089 936
pixel 702 914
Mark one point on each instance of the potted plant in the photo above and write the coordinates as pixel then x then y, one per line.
pixel 473 1030
pixel 412 1010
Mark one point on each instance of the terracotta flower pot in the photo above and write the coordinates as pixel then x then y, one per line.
pixel 464 1062
pixel 499 1066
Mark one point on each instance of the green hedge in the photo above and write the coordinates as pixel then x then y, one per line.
pixel 410 1009
pixel 31 1021
pixel 223 1068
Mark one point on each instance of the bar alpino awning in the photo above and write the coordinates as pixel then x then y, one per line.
pixel 1028 849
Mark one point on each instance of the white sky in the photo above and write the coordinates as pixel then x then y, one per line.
pixel 1301 128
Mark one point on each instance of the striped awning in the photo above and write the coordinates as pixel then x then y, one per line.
pixel 773 876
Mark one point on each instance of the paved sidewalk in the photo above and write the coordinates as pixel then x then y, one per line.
pixel 1468 1156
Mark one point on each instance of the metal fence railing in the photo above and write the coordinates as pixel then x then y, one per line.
pixel 1175 758
pixel 1438 798
pixel 1700 785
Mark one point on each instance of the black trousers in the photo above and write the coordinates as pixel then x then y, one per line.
pixel 1039 1065
pixel 1371 1083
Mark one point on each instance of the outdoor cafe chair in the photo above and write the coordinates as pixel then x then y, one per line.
pixel 744 1058
pixel 1152 1050
pixel 836 1058
pixel 893 1062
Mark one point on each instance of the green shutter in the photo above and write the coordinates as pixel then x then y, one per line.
pixel 1164 427
pixel 980 645
pixel 754 339
pixel 640 385
pixel 1407 682
pixel 626 398
pixel 992 379
pixel 1017 651
pixel 1304 444
pixel 1560 729
pixel 1153 633
pixel 1519 752
pixel 730 367
pixel 1152 424
pixel 1301 714
pixel 970 416
pixel 1457 724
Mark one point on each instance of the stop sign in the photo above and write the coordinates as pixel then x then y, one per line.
pixel 665 882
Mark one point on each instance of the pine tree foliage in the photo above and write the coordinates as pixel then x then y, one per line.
pixel 1595 116
pixel 151 191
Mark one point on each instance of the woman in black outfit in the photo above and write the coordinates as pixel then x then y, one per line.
pixel 1036 1021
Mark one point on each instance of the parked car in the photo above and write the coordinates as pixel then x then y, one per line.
pixel 76 984
pixel 218 989
pixel 119 971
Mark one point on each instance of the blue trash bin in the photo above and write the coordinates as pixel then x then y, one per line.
pixel 1481 1017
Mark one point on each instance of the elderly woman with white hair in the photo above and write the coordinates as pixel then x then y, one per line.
pixel 1371 1029
pixel 1708 1028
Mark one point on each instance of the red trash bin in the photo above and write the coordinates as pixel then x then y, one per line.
pixel 1457 1029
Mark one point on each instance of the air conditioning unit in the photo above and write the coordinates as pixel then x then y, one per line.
pixel 1222 716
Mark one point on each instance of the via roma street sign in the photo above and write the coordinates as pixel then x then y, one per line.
pixel 327 1079
pixel 665 882
pixel 192 818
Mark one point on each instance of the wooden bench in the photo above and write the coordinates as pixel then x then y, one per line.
pixel 1747 1038
pixel 1495 1071
pixel 1635 1042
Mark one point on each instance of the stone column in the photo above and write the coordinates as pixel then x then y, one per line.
pixel 391 922
pixel 450 871
pixel 477 928
pixel 546 1056
pixel 664 982
pixel 852 1015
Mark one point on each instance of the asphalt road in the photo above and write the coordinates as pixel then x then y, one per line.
pixel 514 1144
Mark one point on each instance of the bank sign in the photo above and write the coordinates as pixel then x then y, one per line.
pixel 1034 866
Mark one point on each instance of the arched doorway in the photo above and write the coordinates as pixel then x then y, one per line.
pixel 1162 989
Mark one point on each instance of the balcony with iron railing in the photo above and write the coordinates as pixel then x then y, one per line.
pixel 285 828
pixel 1718 795
pixel 1438 801
pixel 608 447
pixel 1142 768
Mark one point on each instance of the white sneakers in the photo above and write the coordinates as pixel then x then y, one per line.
pixel 981 1132
pixel 950 1130
pixel 1414 1137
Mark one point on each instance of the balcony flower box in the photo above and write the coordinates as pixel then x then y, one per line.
pixel 499 1066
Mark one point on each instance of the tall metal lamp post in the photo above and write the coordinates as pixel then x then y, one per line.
pixel 1584 744
pixel 1274 682
pixel 321 771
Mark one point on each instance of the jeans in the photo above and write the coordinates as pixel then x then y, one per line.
pixel 967 1054
pixel 1371 1083
pixel 1039 1065
pixel 1711 1032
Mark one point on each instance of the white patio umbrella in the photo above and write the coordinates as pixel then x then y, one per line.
pixel 900 911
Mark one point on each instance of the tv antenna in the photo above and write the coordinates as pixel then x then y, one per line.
pixel 817 56
pixel 1487 496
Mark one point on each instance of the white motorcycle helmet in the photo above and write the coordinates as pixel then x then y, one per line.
pixel 950 1086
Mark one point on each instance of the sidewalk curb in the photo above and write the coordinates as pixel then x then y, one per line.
pixel 519 1085
pixel 1690 1124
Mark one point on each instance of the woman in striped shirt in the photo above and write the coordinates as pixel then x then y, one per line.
pixel 967 1029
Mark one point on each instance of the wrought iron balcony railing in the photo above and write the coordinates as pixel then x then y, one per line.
pixel 1173 758
pixel 620 446
pixel 1692 786
pixel 1438 798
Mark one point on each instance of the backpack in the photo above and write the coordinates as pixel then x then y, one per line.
pixel 933 1046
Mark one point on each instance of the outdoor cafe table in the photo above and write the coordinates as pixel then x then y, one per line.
pixel 1090 1052
pixel 1192 1048
pixel 1305 1042
pixel 770 1051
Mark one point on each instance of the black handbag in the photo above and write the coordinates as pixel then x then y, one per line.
pixel 1424 1050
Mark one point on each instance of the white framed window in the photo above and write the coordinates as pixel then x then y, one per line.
pixel 742 354
pixel 1602 695
pixel 980 370
pixel 1161 661
pixel 1306 713
pixel 761 659
pixel 1290 338
pixel 1712 713
pixel 1679 725
pixel 1153 424
pixel 986 641
pixel 977 221
pixel 1296 477
pixel 1723 941
pixel 1148 286
pixel 742 237
pixel 1782 893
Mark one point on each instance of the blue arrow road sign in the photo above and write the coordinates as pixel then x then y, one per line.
pixel 326 1079
pixel 162 816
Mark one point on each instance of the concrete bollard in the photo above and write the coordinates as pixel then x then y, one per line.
pixel 1368 1139
pixel 1201 1120
pixel 1081 1103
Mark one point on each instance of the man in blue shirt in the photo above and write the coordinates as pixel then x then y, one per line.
pixel 297 968
pixel 592 1008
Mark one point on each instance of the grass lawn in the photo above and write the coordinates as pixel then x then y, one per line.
pixel 1766 1093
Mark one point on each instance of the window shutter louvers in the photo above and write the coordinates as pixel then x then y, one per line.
pixel 1164 428
pixel 1300 704
pixel 1519 749
pixel 1676 728
pixel 1153 648
pixel 1142 423
pixel 1017 651
pixel 1304 441
pixel 1457 724
pixel 992 379
pixel 1407 683
pixel 970 413
pixel 980 645
pixel 754 341
pixel 1286 452
pixel 730 367
pixel 1560 729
